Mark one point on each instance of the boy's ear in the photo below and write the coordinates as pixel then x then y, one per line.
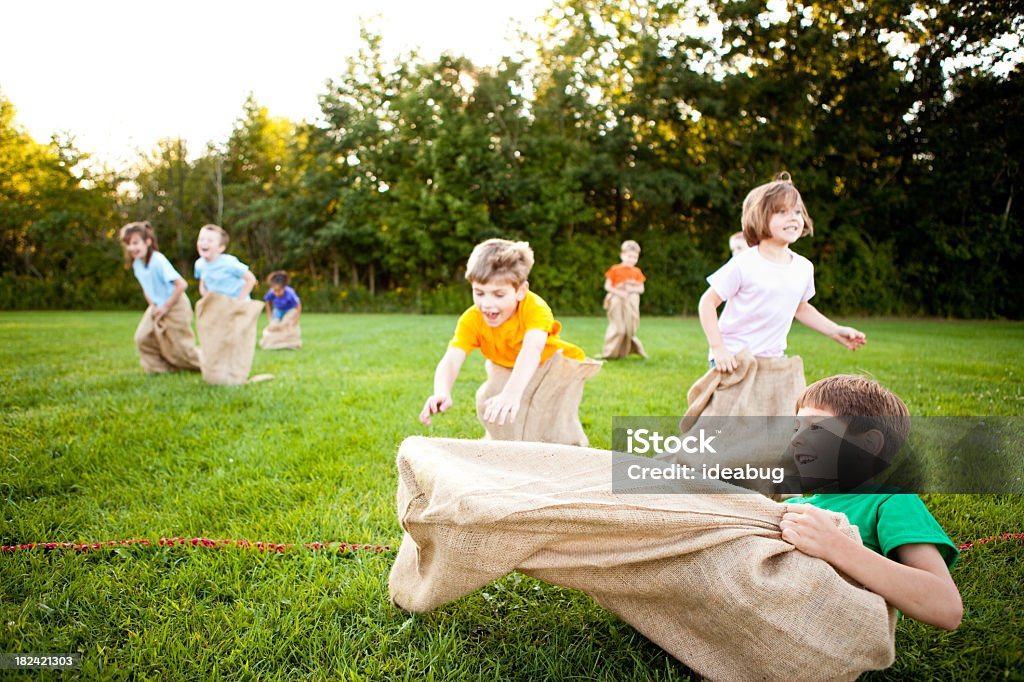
pixel 871 441
pixel 521 291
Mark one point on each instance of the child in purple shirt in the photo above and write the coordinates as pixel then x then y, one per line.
pixel 281 298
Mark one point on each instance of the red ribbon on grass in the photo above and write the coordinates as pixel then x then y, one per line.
pixel 339 547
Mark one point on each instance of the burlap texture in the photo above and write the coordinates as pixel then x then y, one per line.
pixel 757 387
pixel 739 404
pixel 550 408
pixel 282 334
pixel 705 576
pixel 620 339
pixel 167 344
pixel 227 337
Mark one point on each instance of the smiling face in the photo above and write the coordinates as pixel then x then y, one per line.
pixel 498 300
pixel 816 441
pixel 138 247
pixel 209 244
pixel 629 258
pixel 786 224
pixel 829 455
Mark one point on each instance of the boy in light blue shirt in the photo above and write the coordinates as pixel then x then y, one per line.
pixel 218 272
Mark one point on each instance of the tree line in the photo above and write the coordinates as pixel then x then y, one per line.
pixel 901 123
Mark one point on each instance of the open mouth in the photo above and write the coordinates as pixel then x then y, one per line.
pixel 491 317
pixel 805 459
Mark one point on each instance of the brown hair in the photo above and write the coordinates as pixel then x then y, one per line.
pixel 630 245
pixel 500 260
pixel 278 277
pixel 224 238
pixel 145 232
pixel 865 403
pixel 764 200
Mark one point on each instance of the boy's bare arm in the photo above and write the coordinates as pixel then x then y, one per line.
pixel 203 291
pixel 918 584
pixel 444 378
pixel 248 284
pixel 504 406
pixel 613 290
pixel 270 313
pixel 848 336
pixel 707 311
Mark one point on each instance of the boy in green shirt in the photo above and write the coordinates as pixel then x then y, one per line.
pixel 906 555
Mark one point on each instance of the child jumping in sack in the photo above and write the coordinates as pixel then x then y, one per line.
pixel 624 283
pixel 283 310
pixel 534 378
pixel 164 335
pixel 225 315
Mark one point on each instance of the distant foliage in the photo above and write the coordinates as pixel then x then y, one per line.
pixel 900 123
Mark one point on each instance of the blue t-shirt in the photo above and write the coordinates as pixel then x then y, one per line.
pixel 157 278
pixel 223 275
pixel 289 299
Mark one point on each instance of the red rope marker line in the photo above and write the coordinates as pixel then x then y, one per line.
pixel 990 539
pixel 339 547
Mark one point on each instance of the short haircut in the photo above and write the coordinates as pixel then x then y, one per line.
pixel 864 404
pixel 500 260
pixel 278 277
pixel 736 237
pixel 764 200
pixel 630 245
pixel 224 238
pixel 145 231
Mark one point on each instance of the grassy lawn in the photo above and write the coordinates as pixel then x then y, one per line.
pixel 91 449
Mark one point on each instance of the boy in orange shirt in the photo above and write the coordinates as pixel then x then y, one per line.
pixel 624 283
pixel 516 332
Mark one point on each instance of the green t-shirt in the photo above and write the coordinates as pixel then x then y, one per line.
pixel 886 521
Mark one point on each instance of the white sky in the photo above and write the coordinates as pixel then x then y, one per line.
pixel 122 74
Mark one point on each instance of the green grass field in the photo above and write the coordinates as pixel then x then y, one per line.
pixel 91 450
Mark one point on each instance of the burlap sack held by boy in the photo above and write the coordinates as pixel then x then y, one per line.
pixel 705 576
pixel 620 340
pixel 549 411
pixel 282 334
pixel 227 337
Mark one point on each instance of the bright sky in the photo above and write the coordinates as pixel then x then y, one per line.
pixel 121 74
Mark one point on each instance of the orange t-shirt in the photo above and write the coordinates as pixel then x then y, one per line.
pixel 501 345
pixel 617 274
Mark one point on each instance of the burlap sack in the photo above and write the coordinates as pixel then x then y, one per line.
pixel 705 576
pixel 738 404
pixel 167 344
pixel 620 339
pixel 227 337
pixel 550 408
pixel 282 334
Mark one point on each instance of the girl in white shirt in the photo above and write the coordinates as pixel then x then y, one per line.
pixel 767 285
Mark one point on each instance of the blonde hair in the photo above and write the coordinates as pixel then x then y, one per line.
pixel 500 260
pixel 224 238
pixel 737 236
pixel 630 245
pixel 145 232
pixel 864 404
pixel 764 200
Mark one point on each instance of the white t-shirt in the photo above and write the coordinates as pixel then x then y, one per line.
pixel 761 298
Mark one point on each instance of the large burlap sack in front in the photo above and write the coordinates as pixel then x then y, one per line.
pixel 167 344
pixel 705 576
pixel 282 334
pixel 739 405
pixel 227 337
pixel 620 339
pixel 550 408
